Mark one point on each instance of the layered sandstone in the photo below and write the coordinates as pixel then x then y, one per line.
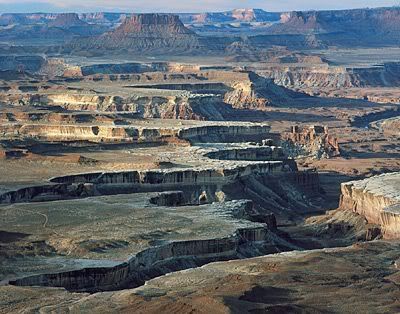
pixel 67 20
pixel 377 199
pixel 344 27
pixel 146 32
pixel 274 283
pixel 312 141
pixel 325 76
pixel 128 133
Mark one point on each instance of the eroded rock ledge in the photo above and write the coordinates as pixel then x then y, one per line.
pixel 253 240
pixel 377 199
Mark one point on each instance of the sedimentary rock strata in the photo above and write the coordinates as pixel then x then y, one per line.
pixel 326 76
pixel 110 133
pixel 145 32
pixel 312 141
pixel 377 199
pixel 269 283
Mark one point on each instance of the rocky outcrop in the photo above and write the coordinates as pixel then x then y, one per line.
pixel 160 260
pixel 234 16
pixel 362 27
pixel 145 33
pixel 111 133
pixel 173 198
pixel 256 92
pixel 386 75
pixel 249 153
pixel 377 199
pixel 313 141
pixel 70 133
pixel 198 184
pixel 67 20
pixel 225 132
pixel 175 177
pixel 272 283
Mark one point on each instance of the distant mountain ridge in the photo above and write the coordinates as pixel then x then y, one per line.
pixel 236 15
pixel 208 32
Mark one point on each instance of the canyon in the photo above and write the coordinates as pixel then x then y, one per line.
pixel 242 161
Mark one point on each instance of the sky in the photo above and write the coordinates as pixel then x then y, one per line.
pixel 182 5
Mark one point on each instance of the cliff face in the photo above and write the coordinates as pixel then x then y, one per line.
pixel 145 32
pixel 314 141
pixel 386 75
pixel 377 199
pixel 344 27
pixel 67 20
pixel 159 260
pixel 256 92
pixel 108 133
pixel 149 25
pixel 234 16
pixel 360 21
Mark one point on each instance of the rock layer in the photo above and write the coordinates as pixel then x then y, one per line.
pixel 377 199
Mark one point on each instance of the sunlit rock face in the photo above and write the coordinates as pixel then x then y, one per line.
pixel 377 199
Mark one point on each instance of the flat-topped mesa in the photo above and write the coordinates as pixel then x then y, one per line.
pixel 148 25
pixel 195 182
pixel 145 32
pixel 110 133
pixel 251 91
pixel 312 141
pixel 162 259
pixel 67 20
pixel 377 199
pixel 357 21
pixel 324 76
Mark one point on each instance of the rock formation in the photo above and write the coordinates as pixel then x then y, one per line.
pixel 146 32
pixel 256 92
pixel 67 20
pixel 377 199
pixel 234 16
pixel 325 76
pixel 362 27
pixel 313 141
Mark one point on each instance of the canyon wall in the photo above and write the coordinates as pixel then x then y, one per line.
pixel 249 153
pixel 156 261
pixel 110 133
pixel 377 200
pixel 386 75
pixel 193 182
pixel 314 141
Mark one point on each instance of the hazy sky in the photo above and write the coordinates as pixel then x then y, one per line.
pixel 182 5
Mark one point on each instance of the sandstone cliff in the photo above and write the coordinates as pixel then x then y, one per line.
pixel 145 32
pixel 377 199
pixel 362 27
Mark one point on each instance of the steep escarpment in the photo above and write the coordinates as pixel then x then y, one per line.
pixel 363 27
pixel 67 20
pixel 314 141
pixel 234 16
pixel 163 259
pixel 112 133
pixel 377 199
pixel 386 75
pixel 145 33
pixel 256 92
